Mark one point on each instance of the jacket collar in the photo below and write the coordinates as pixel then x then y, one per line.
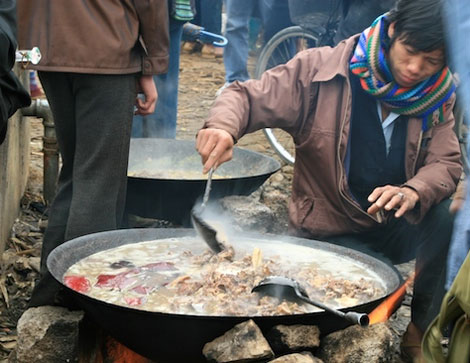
pixel 336 61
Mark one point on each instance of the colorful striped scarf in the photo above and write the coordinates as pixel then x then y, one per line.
pixel 425 100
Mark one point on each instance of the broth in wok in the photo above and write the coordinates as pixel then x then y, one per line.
pixel 181 276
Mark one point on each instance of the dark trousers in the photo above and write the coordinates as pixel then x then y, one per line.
pixel 399 242
pixel 209 15
pixel 93 116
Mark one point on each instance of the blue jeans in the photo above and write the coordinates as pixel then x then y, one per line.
pixel 458 14
pixel 274 17
pixel 162 123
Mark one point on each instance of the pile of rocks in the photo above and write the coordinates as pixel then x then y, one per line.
pixel 51 334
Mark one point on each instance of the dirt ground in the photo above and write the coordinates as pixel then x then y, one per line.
pixel 200 78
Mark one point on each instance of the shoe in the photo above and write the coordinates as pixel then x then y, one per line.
pixel 190 47
pixel 207 51
pixel 211 51
pixel 218 52
pixel 411 344
pixel 220 90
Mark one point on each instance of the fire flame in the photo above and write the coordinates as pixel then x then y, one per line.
pixel 382 312
pixel 119 353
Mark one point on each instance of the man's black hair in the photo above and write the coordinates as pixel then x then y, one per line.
pixel 419 24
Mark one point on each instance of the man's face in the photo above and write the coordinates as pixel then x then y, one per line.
pixel 410 66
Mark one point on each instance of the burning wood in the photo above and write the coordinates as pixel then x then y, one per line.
pixel 116 352
pixel 382 312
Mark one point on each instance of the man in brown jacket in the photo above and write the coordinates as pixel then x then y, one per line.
pixel 376 155
pixel 95 57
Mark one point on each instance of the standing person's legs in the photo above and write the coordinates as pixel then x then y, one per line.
pixel 197 20
pixel 59 91
pixel 193 46
pixel 104 110
pixel 211 21
pixel 236 51
pixel 93 116
pixel 457 16
pixel 211 16
pixel 274 16
pixel 162 123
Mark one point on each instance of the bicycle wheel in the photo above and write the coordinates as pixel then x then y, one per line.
pixel 279 50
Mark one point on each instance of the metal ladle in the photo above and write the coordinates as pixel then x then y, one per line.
pixel 281 286
pixel 205 231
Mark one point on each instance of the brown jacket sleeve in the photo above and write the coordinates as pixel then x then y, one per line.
pixel 437 176
pixel 153 19
pixel 281 98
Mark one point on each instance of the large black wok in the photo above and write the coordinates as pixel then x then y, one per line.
pixel 171 198
pixel 177 337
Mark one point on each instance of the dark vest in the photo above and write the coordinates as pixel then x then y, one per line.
pixel 370 166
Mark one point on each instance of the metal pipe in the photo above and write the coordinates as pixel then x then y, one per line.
pixel 40 108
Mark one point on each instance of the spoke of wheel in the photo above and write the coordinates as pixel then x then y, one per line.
pixel 286 50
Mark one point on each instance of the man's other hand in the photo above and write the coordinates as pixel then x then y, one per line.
pixel 390 197
pixel 146 105
pixel 215 147
pixel 458 198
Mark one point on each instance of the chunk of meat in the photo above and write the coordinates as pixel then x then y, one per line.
pixel 77 283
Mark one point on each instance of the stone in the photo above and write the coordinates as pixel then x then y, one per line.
pixel 47 334
pixel 288 169
pixel 293 338
pixel 243 343
pixel 304 357
pixel 277 179
pixel 249 214
pixel 355 344
pixel 278 202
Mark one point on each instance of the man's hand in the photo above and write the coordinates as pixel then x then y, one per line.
pixel 392 197
pixel 215 147
pixel 146 106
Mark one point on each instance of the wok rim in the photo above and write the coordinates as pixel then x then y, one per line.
pixel 273 165
pixel 188 232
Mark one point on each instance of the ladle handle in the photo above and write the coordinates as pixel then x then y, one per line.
pixel 351 316
pixel 205 198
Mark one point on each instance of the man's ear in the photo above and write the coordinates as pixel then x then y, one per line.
pixel 391 30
